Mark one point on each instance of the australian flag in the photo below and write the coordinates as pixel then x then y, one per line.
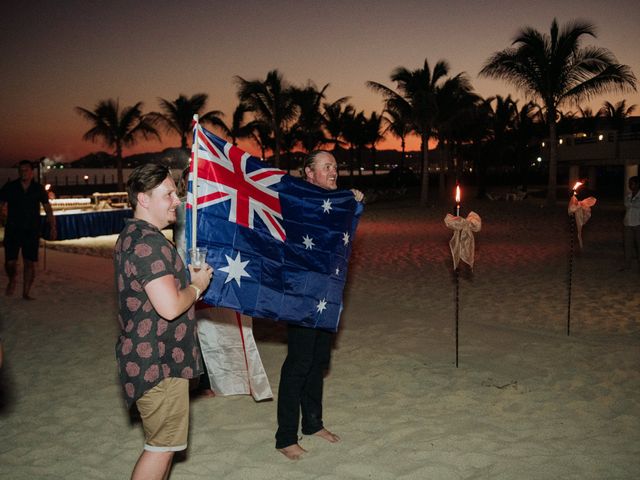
pixel 279 246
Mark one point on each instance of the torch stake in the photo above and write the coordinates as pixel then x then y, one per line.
pixel 572 228
pixel 457 279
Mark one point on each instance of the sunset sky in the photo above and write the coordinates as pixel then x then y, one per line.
pixel 56 55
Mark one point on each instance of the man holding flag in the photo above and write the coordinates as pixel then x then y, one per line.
pixel 309 349
pixel 157 348
pixel 280 248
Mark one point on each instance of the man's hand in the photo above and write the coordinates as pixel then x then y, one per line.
pixel 358 194
pixel 202 277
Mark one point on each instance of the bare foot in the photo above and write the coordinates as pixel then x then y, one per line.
pixel 293 452
pixel 207 392
pixel 26 296
pixel 327 435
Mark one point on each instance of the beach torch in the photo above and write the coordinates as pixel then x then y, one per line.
pixel 572 229
pixel 462 245
pixel 579 214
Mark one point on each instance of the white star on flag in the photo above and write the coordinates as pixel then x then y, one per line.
pixel 345 238
pixel 235 269
pixel 308 242
pixel 322 305
pixel 337 271
pixel 326 205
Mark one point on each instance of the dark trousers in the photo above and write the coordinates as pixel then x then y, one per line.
pixel 301 380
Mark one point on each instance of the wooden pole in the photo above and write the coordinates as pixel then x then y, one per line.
pixel 194 184
pixel 457 278
pixel 572 229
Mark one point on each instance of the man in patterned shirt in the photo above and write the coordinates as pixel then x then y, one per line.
pixel 157 348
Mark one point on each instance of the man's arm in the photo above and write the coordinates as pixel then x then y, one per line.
pixel 3 212
pixel 53 230
pixel 171 302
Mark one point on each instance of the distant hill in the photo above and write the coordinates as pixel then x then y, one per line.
pixel 172 157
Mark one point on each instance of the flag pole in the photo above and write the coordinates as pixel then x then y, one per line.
pixel 194 183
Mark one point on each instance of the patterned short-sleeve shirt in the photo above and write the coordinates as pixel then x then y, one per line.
pixel 150 348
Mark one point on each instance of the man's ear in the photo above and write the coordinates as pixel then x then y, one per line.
pixel 308 172
pixel 143 199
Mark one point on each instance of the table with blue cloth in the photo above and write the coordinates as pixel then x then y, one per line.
pixel 79 223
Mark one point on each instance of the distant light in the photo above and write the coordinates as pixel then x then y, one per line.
pixel 47 187
pixel 86 177
pixel 543 144
pixel 600 137
pixel 560 141
pixel 539 159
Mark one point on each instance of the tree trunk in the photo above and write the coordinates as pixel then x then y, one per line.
pixel 552 184
pixel 424 188
pixel 119 168
pixel 276 151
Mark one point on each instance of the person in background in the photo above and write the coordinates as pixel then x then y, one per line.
pixel 308 349
pixel 157 349
pixel 632 224
pixel 23 198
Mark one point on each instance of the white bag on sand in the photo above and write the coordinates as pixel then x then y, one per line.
pixel 230 353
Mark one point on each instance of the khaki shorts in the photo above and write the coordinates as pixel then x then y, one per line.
pixel 165 415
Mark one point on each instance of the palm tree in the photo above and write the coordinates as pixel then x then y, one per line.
pixel 353 134
pixel 398 124
pixel 178 115
pixel 555 68
pixel 239 128
pixel 261 134
pixel 270 100
pixel 479 135
pixel 418 88
pixel 118 128
pixel 616 116
pixel 373 133
pixel 455 102
pixel 502 122
pixel 336 115
pixel 308 126
pixel 525 134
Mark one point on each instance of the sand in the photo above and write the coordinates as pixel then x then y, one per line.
pixel 526 402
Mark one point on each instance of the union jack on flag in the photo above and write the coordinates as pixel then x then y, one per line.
pixel 279 246
pixel 223 176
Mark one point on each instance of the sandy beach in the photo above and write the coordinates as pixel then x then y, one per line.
pixel 526 402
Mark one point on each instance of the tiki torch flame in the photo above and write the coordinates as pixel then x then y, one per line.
pixel 577 186
pixel 457 193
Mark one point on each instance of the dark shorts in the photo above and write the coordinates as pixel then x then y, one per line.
pixel 26 240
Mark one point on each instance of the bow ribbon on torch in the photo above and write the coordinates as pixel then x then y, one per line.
pixel 581 209
pixel 462 243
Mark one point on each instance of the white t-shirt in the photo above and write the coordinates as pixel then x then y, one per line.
pixel 632 215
